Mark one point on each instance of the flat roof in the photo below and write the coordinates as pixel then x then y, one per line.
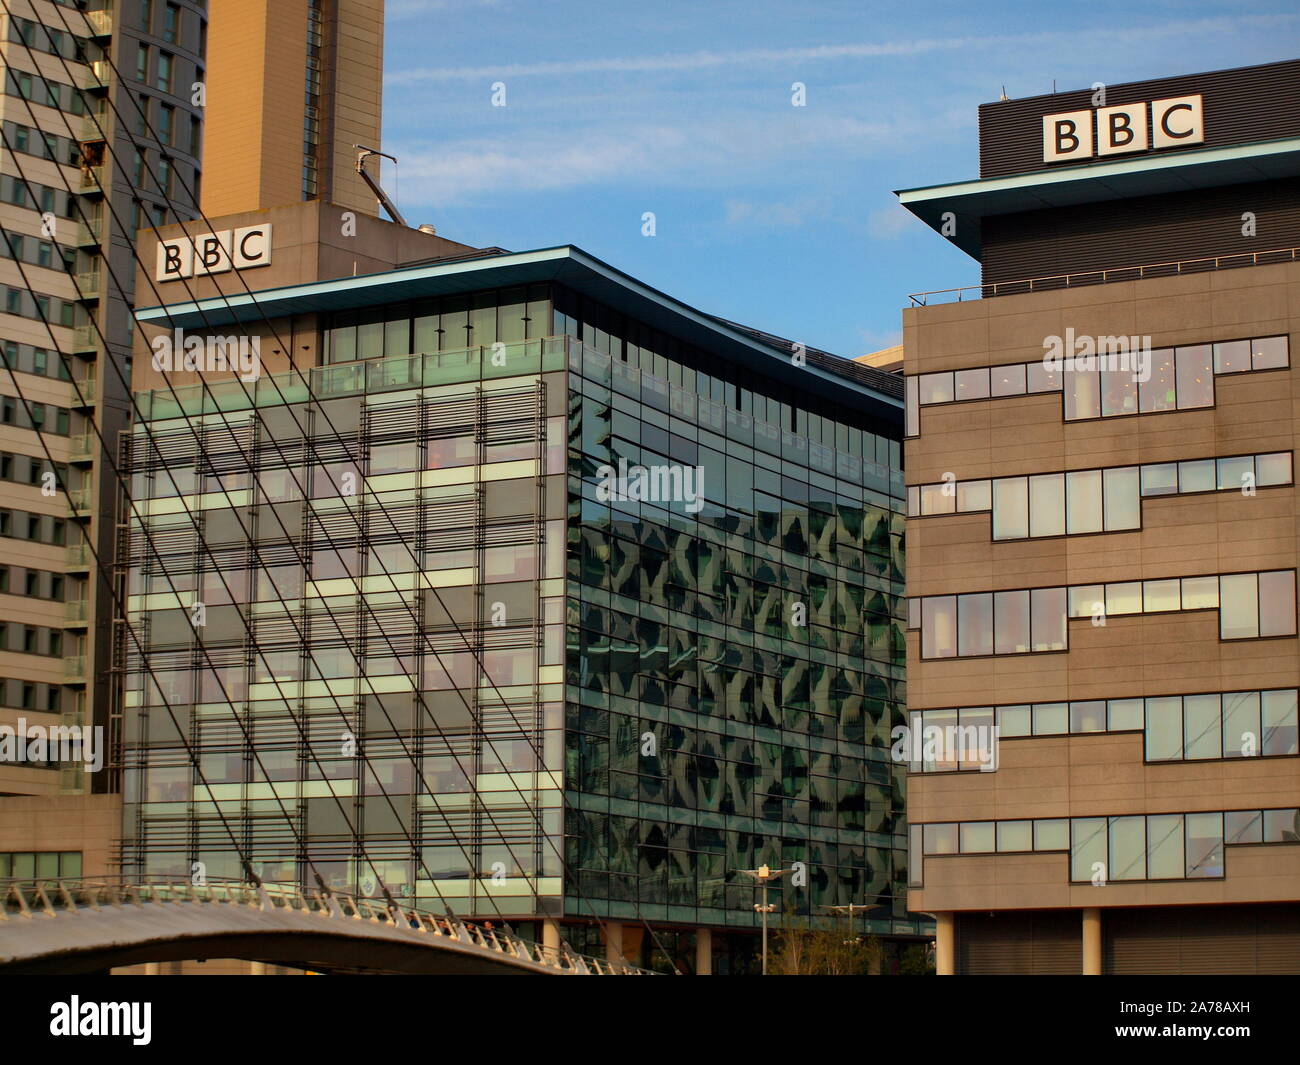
pixel 566 265
pixel 1148 175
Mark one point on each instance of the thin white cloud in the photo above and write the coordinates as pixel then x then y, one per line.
pixel 711 152
pixel 821 53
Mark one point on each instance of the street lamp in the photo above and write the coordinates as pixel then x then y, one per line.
pixel 764 876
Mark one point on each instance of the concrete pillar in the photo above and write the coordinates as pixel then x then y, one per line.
pixel 551 936
pixel 614 942
pixel 945 944
pixel 704 952
pixel 1092 942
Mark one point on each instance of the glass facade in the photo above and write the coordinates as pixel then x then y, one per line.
pixel 395 630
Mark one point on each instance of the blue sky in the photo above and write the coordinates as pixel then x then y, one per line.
pixel 778 216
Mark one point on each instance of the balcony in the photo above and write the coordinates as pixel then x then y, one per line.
pixel 78 557
pixel 75 612
pixel 88 233
pixel 85 340
pixel 90 285
pixel 92 180
pixel 82 447
pixel 100 23
pixel 94 126
pixel 81 500
pixel 74 669
pixel 83 392
pixel 103 74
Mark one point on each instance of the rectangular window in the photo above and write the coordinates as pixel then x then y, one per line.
pixel 1204 844
pixel 1239 606
pixel 1278 717
pixel 1202 727
pixel 1197 476
pixel 1047 606
pixel 972 384
pixel 1165 847
pixel 1087 848
pixel 1010 508
pixel 975 624
pixel 1241 731
pixel 974 496
pixel 1164 729
pixel 1123 500
pixel 1008 380
pixel 1277 603
pixel 1047 505
pixel 936 388
pixel 1157 392
pixel 1194 374
pixel 938 626
pixel 1118 393
pixel 1011 615
pixel 1128 848
pixel 1083 501
pixel 1232 356
pixel 164 79
pixel 1082 395
pixel 1269 353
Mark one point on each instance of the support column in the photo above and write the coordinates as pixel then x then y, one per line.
pixel 704 952
pixel 1092 942
pixel 614 942
pixel 551 936
pixel 945 944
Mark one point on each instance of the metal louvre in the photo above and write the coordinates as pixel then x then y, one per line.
pixel 1203 940
pixel 1022 943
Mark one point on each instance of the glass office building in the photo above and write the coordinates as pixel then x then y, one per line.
pixel 541 596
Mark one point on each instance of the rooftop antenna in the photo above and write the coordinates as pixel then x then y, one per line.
pixel 364 153
pixel 1004 95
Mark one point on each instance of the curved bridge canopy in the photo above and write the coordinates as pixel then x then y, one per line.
pixel 79 927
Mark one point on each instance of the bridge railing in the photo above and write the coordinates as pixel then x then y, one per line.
pixel 48 897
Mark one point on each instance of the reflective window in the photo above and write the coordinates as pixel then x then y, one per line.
pixel 936 388
pixel 1241 730
pixel 1165 847
pixel 974 495
pixel 1048 619
pixel 939 626
pixel 1278 718
pixel 1164 734
pixel 1088 848
pixel 975 624
pixel 1052 835
pixel 941 839
pixel 1128 848
pixel 978 837
pixel 1047 505
pixel 1083 501
pixel 1038 378
pixel 1277 603
pixel 1202 727
pixel 1008 380
pixel 1239 606
pixel 1160 479
pixel 1195 377
pixel 1015 835
pixel 1014 721
pixel 1204 844
pixel 1082 395
pixel 1157 392
pixel 1010 508
pixel 1243 826
pixel 1011 611
pixel 972 384
pixel 1232 356
pixel 1118 393
pixel 1269 353
pixel 1123 501
pixel 1051 719
pixel 1198 476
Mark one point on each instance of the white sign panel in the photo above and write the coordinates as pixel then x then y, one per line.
pixel 213 253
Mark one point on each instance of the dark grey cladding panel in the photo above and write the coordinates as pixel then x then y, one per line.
pixel 1174 227
pixel 1242 105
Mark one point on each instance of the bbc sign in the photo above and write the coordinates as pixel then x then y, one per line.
pixel 213 253
pixel 1069 137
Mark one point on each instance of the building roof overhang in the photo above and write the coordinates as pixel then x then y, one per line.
pixel 566 265
pixel 1149 175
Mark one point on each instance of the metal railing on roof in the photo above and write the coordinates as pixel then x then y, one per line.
pixel 1083 278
